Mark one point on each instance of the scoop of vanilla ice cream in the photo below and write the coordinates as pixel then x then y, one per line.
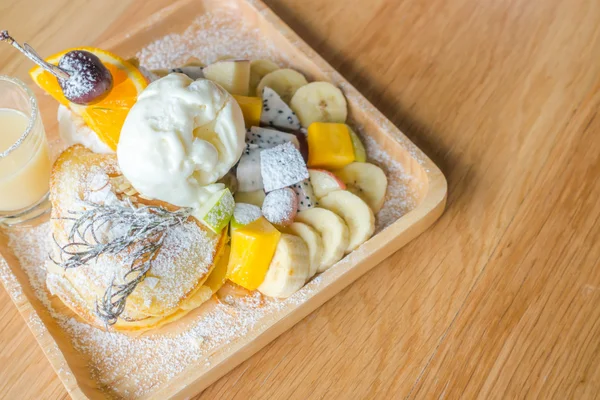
pixel 179 138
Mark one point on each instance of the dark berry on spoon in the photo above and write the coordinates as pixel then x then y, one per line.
pixel 89 80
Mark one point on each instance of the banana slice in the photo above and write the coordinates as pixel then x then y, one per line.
pixel 314 242
pixel 258 69
pixel 284 82
pixel 365 180
pixel 355 212
pixel 319 102
pixel 333 231
pixel 289 267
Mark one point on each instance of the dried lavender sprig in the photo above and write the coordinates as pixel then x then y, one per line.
pixel 115 298
pixel 142 227
pixel 136 223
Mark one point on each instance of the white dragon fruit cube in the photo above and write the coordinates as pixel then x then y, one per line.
pixel 282 166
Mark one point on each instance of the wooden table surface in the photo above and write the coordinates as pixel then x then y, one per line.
pixel 501 297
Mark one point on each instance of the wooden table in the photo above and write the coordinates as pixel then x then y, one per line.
pixel 501 298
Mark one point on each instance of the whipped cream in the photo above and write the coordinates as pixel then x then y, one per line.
pixel 73 130
pixel 179 138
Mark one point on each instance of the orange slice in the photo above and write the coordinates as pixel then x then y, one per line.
pixel 106 117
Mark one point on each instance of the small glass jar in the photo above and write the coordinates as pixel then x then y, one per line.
pixel 24 156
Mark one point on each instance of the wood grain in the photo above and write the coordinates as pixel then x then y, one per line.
pixel 501 297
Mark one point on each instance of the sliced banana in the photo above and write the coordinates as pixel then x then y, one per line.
pixel 285 82
pixel 289 267
pixel 258 69
pixel 314 242
pixel 333 231
pixel 319 102
pixel 355 212
pixel 365 180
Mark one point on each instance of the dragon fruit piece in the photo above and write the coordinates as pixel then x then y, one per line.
pixel 282 166
pixel 265 138
pixel 306 195
pixel 276 113
pixel 248 171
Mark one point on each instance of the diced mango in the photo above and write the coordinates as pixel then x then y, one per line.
pixel 252 248
pixel 217 277
pixel 329 145
pixel 251 108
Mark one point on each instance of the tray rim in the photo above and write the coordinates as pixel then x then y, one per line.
pixel 412 224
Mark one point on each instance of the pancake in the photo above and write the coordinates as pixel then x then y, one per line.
pixel 175 282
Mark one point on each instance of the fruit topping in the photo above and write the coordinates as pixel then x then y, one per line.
pixel 192 68
pixel 106 117
pixel 280 206
pixel 284 82
pixel 217 211
pixel 218 276
pixel 329 145
pixel 360 154
pixel 356 214
pixel 245 213
pixel 333 231
pixel 282 166
pixel 233 75
pixel 314 242
pixel 365 180
pixel 256 197
pixel 319 102
pixel 252 249
pixel 251 108
pixel 265 138
pixel 89 80
pixel 194 72
pixel 306 195
pixel 258 69
pixel 289 268
pixel 81 75
pixel 276 113
pixel 248 171
pixel 324 182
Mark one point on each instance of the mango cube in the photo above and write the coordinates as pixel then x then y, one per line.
pixel 251 108
pixel 329 145
pixel 217 277
pixel 252 248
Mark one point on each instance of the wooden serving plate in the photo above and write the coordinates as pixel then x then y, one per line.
pixel 423 184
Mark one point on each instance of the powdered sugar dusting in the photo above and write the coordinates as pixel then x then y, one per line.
pixel 129 367
pixel 279 206
pixel 400 197
pixel 246 213
pixel 210 37
pixel 282 166
pixel 10 282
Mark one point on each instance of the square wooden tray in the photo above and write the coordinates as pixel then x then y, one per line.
pixel 425 189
